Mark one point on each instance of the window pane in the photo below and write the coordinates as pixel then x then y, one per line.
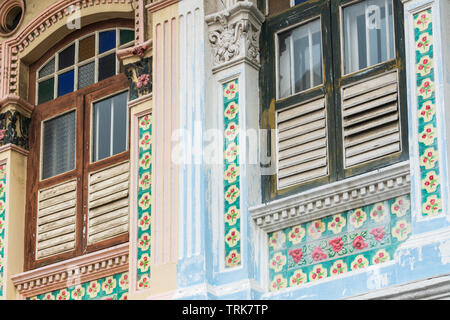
pixel 65 83
pixel 368 30
pixel 107 41
pixel 300 59
pixel 106 67
pixel 284 77
pixel 317 59
pixel 86 48
pixel 110 127
pixel 120 123
pixel 48 69
pixel 86 75
pixel 58 149
pixel 67 57
pixel 126 36
pixel 102 130
pixel 46 90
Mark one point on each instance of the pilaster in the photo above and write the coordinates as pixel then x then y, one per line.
pixel 233 94
pixel 14 123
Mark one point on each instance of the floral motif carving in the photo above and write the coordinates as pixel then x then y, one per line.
pixel 235 34
pixel 140 77
pixel 225 41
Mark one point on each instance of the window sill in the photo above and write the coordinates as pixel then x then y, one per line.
pixel 74 271
pixel 371 187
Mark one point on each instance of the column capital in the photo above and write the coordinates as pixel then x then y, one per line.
pixel 233 34
pixel 15 118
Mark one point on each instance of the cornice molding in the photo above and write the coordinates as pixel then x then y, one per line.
pixel 437 287
pixel 156 5
pixel 140 100
pixel 18 103
pixel 234 35
pixel 13 147
pixel 378 185
pixel 64 274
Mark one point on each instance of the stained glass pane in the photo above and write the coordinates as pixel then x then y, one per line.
pixel 58 149
pixel 126 36
pixel 86 75
pixel 107 41
pixel 48 69
pixel 107 67
pixel 46 90
pixel 67 57
pixel 65 83
pixel 87 48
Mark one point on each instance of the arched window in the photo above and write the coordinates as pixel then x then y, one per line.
pixel 87 60
pixel 79 140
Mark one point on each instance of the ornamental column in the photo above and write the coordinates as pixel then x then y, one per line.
pixel 235 179
pixel 15 116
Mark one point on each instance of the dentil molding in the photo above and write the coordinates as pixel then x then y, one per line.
pixel 81 269
pixel 337 197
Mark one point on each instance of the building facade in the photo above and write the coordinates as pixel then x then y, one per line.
pixel 224 149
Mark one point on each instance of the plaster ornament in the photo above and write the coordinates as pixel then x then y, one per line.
pixel 235 34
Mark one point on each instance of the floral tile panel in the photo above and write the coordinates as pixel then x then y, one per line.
pixel 143 250
pixel 338 244
pixel 426 110
pixel 109 288
pixel 2 225
pixel 231 175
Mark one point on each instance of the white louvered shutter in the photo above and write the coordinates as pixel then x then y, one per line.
pixel 371 122
pixel 56 221
pixel 108 203
pixel 302 143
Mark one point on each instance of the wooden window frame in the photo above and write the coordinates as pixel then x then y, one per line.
pixel 334 80
pixel 82 101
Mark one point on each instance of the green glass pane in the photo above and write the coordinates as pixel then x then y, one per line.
pixel 126 36
pixel 46 90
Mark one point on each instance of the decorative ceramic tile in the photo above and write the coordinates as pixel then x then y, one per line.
pixel 427 124
pixel 231 175
pixel 143 249
pixel 337 244
pixel 109 288
pixel 2 225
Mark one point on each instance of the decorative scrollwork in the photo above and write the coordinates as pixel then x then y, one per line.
pixel 234 34
pixel 225 41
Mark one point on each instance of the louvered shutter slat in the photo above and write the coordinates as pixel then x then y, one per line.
pixel 302 143
pixel 108 203
pixel 371 122
pixel 56 220
pixel 302 149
